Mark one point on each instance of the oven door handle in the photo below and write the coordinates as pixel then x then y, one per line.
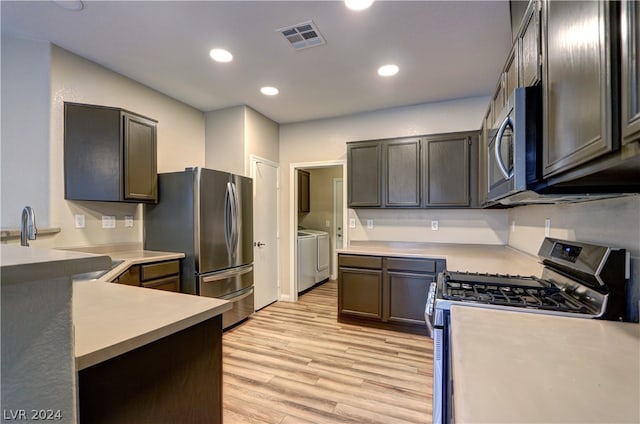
pixel 498 147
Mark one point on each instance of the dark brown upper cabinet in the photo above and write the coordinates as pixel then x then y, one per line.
pixel 578 93
pixel 528 45
pixel 304 199
pixel 109 154
pixel 364 173
pixel 630 67
pixel 401 167
pixel 450 162
pixel 384 173
pixel 413 172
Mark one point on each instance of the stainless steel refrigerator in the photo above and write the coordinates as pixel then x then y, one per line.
pixel 208 215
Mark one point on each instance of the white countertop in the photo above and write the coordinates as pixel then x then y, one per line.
pixel 21 264
pixel 459 257
pixel 513 367
pixel 111 319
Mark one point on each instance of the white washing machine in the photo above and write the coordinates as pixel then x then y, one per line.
pixel 322 253
pixel 307 254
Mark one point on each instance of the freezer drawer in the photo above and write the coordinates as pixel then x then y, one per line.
pixel 242 305
pixel 223 283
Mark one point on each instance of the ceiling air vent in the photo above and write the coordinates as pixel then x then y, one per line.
pixel 302 36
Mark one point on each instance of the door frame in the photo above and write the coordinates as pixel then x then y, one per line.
pixel 293 215
pixel 334 183
pixel 254 162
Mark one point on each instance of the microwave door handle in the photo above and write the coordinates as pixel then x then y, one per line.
pixel 498 147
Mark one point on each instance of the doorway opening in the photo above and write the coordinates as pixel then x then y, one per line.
pixel 318 210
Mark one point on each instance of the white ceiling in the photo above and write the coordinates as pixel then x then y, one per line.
pixel 445 50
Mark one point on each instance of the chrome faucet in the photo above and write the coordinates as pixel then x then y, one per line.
pixel 28 228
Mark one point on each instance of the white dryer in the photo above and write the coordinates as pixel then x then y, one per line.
pixel 307 254
pixel 322 253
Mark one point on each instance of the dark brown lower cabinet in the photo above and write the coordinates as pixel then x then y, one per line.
pixel 385 292
pixel 156 275
pixel 177 379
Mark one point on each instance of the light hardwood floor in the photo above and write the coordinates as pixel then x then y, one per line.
pixel 294 363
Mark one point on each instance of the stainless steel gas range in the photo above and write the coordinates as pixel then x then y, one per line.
pixel 578 280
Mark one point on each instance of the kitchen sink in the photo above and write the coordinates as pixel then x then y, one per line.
pixel 97 274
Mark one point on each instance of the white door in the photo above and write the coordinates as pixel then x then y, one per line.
pixel 265 232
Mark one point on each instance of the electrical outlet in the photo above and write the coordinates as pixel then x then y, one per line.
pixel 327 223
pixel 128 221
pixel 108 221
pixel 352 223
pixel 370 224
pixel 79 221
pixel 434 225
pixel 547 227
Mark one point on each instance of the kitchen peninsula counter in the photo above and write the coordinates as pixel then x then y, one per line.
pixel 146 355
pixel 112 319
pixel 460 257
pixel 520 367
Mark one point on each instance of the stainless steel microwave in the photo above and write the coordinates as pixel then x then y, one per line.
pixel 515 147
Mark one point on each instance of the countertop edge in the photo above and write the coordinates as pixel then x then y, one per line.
pixel 95 357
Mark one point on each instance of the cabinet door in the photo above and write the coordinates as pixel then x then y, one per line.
pixel 304 202
pixel 511 75
pixel 402 176
pixel 529 47
pixel 364 174
pixel 577 98
pixel 482 175
pixel 140 169
pixel 630 64
pixel 92 153
pixel 447 171
pixel 360 292
pixel 406 295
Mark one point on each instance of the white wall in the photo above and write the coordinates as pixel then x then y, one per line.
pixel 25 130
pixel 325 140
pixel 180 144
pixel 234 134
pixel 614 222
pixel 224 136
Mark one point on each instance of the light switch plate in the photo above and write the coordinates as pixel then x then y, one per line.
pixel 79 220
pixel 434 225
pixel 108 221
pixel 547 227
pixel 370 224
pixel 128 221
pixel 352 223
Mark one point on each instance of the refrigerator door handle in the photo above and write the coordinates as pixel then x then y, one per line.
pixel 234 230
pixel 228 218
pixel 226 274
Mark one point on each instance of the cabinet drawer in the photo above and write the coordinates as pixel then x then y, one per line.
pixel 159 269
pixel 360 261
pixel 168 284
pixel 130 276
pixel 416 265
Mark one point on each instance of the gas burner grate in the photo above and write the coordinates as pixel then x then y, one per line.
pixel 498 293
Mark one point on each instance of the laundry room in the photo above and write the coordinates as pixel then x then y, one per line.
pixel 320 220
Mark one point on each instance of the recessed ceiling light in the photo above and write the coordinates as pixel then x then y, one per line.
pixel 221 55
pixel 76 5
pixel 358 4
pixel 269 91
pixel 388 70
